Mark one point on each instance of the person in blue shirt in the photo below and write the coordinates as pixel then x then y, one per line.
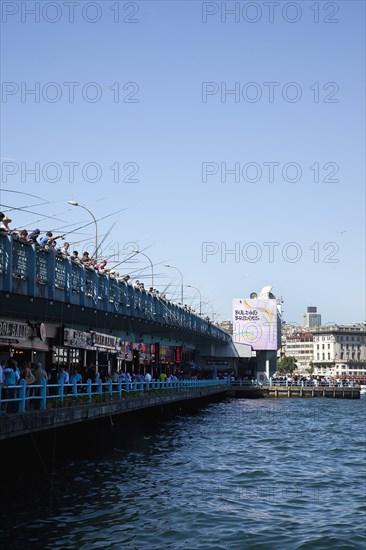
pixel 10 379
pixel 43 241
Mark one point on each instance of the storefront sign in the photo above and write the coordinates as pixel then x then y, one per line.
pixel 88 340
pixel 77 338
pixel 177 354
pixel 105 341
pixel 218 363
pixel 12 330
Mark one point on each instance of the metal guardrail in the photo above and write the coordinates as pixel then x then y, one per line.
pixel 48 396
pixel 285 383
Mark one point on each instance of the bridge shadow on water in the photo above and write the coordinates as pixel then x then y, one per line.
pixel 37 454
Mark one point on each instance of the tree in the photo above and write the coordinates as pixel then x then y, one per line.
pixel 311 368
pixel 287 365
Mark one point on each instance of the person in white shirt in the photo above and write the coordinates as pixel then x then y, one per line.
pixel 147 377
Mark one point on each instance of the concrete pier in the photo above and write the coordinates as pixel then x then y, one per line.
pixel 254 392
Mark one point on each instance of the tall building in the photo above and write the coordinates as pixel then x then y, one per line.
pixel 312 318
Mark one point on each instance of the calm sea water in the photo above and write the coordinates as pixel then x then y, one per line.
pixel 240 474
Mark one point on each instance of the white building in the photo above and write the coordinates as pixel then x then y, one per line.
pixel 340 350
pixel 300 346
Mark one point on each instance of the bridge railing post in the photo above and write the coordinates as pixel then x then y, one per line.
pixel 89 390
pixel 61 392
pixel 141 387
pixel 43 394
pixel 74 388
pixel 100 387
pixel 120 387
pixel 110 387
pixel 22 395
pixel 135 385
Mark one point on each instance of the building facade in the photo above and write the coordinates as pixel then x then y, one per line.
pixel 301 347
pixel 227 326
pixel 340 350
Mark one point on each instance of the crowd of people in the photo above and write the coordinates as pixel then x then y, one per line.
pixel 313 380
pixel 49 241
pixel 34 374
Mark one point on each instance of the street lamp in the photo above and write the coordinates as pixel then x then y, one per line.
pixel 181 274
pixel 152 267
pixel 199 292
pixel 74 203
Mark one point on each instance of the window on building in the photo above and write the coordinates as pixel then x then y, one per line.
pixel 61 356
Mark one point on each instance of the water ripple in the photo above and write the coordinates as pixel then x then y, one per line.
pixel 286 474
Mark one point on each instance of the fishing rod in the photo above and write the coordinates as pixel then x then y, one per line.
pixel 83 240
pixel 132 256
pixel 104 238
pixel 22 193
pixel 43 203
pixel 41 219
pixel 92 222
pixel 29 212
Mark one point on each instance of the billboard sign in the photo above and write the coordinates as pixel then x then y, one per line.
pixel 255 323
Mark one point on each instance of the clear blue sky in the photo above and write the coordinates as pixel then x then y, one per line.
pixel 169 132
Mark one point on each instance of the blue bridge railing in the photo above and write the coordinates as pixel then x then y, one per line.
pixel 39 273
pixel 22 397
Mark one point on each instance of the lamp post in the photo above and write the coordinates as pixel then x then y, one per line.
pixel 152 267
pixel 74 203
pixel 181 274
pixel 199 292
